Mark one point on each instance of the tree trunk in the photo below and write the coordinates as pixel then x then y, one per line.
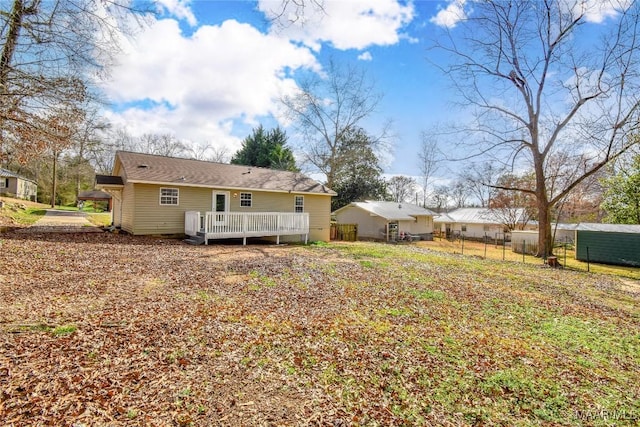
pixel 11 40
pixel 55 180
pixel 545 242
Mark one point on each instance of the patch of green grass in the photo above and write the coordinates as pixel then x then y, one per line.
pixel 64 330
pixel 262 280
pixel 26 216
pixel 429 294
pixel 102 219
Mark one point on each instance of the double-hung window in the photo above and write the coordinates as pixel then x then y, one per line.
pixel 245 200
pixel 169 196
pixel 299 204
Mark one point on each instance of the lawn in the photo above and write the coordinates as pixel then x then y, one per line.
pixel 104 329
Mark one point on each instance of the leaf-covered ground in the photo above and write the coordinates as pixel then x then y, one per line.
pixel 102 329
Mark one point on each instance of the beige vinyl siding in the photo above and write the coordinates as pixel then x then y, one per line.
pixel 369 227
pixel 373 226
pixel 128 208
pixel 318 207
pixel 152 218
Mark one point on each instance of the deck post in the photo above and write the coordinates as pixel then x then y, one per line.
pixel 244 241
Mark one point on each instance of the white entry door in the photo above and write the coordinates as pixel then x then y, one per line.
pixel 220 205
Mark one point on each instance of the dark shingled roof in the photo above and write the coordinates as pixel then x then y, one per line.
pixel 109 180
pixel 147 168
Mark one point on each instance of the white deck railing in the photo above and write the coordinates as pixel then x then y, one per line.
pixel 217 225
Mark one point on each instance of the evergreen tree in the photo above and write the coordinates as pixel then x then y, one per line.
pixel 267 150
pixel 358 175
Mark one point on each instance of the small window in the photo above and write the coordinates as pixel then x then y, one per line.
pixel 299 204
pixel 168 196
pixel 464 228
pixel 4 183
pixel 245 200
pixel 486 227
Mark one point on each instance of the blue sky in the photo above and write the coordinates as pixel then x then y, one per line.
pixel 208 71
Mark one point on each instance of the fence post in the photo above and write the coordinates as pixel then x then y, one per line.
pixel 504 244
pixel 588 263
pixel 463 244
pixel 485 246
pixel 523 249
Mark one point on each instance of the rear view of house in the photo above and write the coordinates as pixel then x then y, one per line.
pixel 158 195
pixel 14 185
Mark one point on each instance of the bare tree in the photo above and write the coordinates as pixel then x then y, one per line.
pixel 538 90
pixel 401 188
pixel 327 109
pixel 440 198
pixel 209 152
pixel 51 52
pixel 479 179
pixel 163 144
pixel 291 12
pixel 460 194
pixel 427 162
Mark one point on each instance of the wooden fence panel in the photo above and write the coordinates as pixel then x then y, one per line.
pixel 347 232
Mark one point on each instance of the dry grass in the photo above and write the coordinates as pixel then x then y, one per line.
pixel 114 330
pixel 498 252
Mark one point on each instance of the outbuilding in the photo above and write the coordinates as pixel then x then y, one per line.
pixel 389 221
pixel 617 244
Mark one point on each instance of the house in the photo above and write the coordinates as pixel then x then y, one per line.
pixel 158 195
pixel 387 220
pixel 14 185
pixel 617 244
pixel 476 223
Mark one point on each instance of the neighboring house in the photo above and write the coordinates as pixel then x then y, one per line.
pixel 157 195
pixel 387 220
pixel 617 244
pixel 476 223
pixel 14 185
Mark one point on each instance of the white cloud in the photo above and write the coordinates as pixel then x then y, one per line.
pixel 597 11
pixel 196 87
pixel 365 56
pixel 180 9
pixel 344 24
pixel 451 15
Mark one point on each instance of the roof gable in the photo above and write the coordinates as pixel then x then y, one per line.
pixel 148 168
pixel 5 173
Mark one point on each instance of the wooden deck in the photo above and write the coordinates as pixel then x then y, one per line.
pixel 229 225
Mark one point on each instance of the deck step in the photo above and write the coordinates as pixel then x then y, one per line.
pixel 195 240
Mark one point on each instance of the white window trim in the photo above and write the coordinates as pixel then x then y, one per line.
pixel 177 196
pixel 250 200
pixel 295 204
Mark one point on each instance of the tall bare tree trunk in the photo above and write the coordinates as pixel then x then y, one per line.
pixel 54 181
